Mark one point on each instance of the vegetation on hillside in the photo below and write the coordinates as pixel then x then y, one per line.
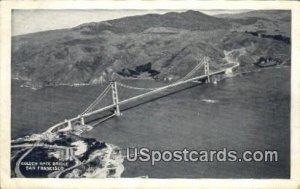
pixel 171 43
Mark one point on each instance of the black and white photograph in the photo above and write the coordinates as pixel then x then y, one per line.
pixel 151 93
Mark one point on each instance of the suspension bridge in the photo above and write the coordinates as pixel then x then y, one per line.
pixel 116 105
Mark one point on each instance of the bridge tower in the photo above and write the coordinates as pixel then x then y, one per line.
pixel 206 70
pixel 229 71
pixel 68 122
pixel 82 122
pixel 115 98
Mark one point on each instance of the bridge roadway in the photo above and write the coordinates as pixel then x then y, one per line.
pixel 141 96
pixel 39 145
pixel 149 93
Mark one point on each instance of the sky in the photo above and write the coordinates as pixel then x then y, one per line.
pixel 30 21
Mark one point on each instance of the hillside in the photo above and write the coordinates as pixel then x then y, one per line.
pixel 189 20
pixel 148 46
pixel 271 22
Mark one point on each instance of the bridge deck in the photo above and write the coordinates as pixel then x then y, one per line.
pixel 138 97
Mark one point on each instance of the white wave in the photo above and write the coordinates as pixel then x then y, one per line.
pixel 209 101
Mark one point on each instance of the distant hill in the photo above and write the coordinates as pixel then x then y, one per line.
pixel 190 20
pixel 263 14
pixel 152 45
pixel 272 22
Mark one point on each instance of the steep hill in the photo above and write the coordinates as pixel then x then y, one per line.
pixel 190 20
pixel 148 46
pixel 270 22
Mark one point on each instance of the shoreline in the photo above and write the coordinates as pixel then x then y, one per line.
pixel 137 79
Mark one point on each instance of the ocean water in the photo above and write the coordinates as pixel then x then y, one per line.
pixel 248 112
